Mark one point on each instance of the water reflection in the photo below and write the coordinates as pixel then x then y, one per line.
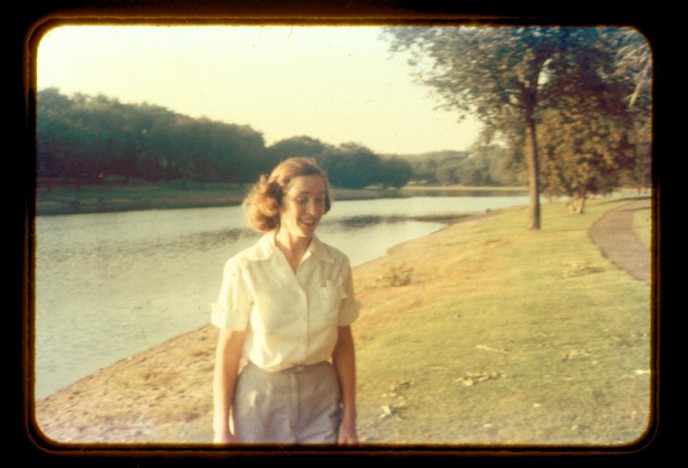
pixel 209 239
pixel 358 222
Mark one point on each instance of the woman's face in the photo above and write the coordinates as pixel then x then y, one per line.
pixel 303 205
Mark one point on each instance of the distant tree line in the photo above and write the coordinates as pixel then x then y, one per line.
pixel 87 140
pixel 483 165
pixel 92 139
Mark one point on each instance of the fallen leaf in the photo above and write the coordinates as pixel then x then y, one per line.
pixel 493 350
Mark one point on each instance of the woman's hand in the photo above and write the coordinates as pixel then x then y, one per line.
pixel 225 437
pixel 347 432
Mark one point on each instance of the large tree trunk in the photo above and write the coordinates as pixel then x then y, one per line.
pixel 533 161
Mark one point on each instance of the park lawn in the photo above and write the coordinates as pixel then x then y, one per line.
pixel 504 336
pixel 642 222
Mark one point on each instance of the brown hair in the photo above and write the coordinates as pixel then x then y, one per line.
pixel 264 200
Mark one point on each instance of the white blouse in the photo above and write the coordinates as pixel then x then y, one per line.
pixel 290 318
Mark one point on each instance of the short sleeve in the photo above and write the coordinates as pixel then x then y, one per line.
pixel 350 308
pixel 234 301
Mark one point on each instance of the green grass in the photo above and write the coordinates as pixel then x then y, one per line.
pixel 104 198
pixel 643 225
pixel 554 339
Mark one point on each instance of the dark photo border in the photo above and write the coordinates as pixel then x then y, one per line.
pixel 27 443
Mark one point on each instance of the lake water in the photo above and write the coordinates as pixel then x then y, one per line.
pixel 113 284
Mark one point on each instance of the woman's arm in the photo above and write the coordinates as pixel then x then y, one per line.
pixel 227 358
pixel 344 360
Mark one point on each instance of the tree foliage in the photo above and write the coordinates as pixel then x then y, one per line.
pixel 85 139
pixel 582 153
pixel 510 77
pixel 634 66
pixel 297 146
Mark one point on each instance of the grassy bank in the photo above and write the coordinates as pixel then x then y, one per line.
pixel 141 196
pixel 642 223
pixel 109 198
pixel 505 336
pixel 484 333
pixel 461 190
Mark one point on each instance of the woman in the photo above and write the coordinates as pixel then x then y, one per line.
pixel 285 308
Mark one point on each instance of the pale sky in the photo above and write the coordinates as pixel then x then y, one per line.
pixel 336 84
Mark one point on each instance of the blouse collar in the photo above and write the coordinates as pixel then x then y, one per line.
pixel 266 247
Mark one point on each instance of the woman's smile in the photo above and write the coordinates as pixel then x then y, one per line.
pixel 310 223
pixel 304 206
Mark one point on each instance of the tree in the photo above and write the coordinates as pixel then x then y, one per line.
pixel 499 73
pixel 396 172
pixel 299 146
pixel 151 137
pixel 424 170
pixel 351 165
pixel 91 138
pixel 493 163
pixel 493 158
pixel 52 126
pixel 446 172
pixel 585 126
pixel 634 67
pixel 583 152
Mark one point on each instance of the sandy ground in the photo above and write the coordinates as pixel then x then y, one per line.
pixel 130 401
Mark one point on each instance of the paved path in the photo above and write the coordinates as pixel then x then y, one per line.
pixel 615 236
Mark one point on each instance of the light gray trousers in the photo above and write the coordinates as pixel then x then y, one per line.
pixel 299 405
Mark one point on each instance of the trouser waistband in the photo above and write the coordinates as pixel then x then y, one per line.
pixel 298 369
